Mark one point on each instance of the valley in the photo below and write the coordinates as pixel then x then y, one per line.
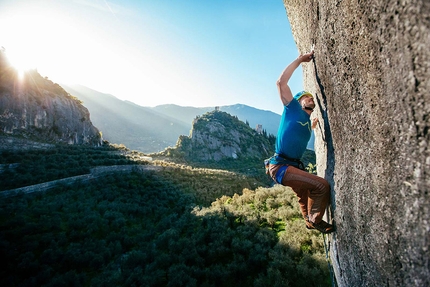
pixel 161 223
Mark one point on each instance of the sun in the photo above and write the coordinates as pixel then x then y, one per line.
pixel 19 61
pixel 38 39
pixel 18 42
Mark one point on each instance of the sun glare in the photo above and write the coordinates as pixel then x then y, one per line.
pixel 75 52
pixel 20 63
pixel 41 41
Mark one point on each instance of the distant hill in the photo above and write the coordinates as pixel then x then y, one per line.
pixel 122 122
pixel 269 120
pixel 153 129
pixel 217 135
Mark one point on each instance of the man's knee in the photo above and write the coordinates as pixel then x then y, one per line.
pixel 324 186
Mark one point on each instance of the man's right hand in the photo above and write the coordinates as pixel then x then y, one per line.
pixel 282 83
pixel 306 57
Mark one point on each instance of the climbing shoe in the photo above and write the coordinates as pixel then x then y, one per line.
pixel 309 224
pixel 322 226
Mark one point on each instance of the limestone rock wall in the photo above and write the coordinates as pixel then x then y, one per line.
pixel 371 78
pixel 35 108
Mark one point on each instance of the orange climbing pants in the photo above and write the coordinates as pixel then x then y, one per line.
pixel 312 191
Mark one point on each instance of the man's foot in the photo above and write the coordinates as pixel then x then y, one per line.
pixel 322 226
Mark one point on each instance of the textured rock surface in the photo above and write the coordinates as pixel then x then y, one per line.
pixel 36 108
pixel 217 136
pixel 370 75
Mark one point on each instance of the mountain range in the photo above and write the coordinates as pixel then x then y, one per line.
pixel 152 129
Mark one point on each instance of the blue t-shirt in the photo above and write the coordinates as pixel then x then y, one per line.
pixel 294 131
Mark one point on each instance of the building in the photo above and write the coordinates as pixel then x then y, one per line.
pixel 259 129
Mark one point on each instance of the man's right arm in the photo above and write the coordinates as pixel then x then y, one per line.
pixel 282 83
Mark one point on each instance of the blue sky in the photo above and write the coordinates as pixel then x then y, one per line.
pixel 190 53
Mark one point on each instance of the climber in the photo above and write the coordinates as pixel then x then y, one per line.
pixel 294 132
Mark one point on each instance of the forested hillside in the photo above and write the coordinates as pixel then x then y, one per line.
pixel 179 226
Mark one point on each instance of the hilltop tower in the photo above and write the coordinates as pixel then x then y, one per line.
pixel 259 129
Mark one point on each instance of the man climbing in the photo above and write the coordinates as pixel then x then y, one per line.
pixel 294 132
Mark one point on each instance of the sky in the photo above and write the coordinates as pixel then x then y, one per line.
pixel 196 53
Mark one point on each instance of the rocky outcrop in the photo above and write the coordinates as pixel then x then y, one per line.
pixel 217 136
pixel 34 107
pixel 370 76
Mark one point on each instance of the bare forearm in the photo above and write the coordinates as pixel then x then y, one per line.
pixel 282 83
pixel 288 72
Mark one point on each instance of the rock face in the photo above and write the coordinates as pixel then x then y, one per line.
pixel 217 136
pixel 370 76
pixel 34 107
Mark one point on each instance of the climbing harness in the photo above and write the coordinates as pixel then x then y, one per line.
pixel 293 161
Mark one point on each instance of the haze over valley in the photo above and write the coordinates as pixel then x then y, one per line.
pixel 152 129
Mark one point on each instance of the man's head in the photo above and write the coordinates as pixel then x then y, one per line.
pixel 306 100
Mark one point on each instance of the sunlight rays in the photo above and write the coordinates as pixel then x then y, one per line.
pixel 141 51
